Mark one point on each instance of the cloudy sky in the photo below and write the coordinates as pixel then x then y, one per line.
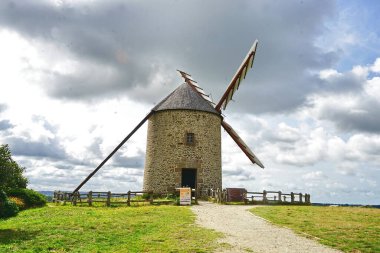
pixel 77 76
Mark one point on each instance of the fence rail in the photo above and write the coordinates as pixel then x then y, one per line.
pixel 218 195
pixel 277 197
pixel 109 198
pixel 264 197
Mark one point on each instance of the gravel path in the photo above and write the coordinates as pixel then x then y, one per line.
pixel 246 232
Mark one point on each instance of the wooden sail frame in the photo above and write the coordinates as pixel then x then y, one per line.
pixel 237 78
pixel 244 147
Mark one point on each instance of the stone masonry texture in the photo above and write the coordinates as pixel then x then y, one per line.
pixel 168 153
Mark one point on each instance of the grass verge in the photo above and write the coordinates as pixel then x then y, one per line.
pixel 351 229
pixel 101 229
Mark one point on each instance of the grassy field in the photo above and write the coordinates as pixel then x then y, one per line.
pixel 101 229
pixel 351 229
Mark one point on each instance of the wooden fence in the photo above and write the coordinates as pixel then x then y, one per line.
pixel 218 195
pixel 265 197
pixel 108 198
pixel 278 197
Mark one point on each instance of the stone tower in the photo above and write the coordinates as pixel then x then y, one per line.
pixel 183 143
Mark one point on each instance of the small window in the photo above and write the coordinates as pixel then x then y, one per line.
pixel 190 138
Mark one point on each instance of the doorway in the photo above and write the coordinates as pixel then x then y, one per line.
pixel 189 178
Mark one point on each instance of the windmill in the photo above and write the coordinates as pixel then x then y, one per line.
pixel 184 136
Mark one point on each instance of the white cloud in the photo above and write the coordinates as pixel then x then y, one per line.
pixel 372 88
pixel 314 175
pixel 308 148
pixel 37 119
pixel 360 71
pixel 349 110
pixel 376 66
pixel 329 73
pixel 336 186
pixel 286 133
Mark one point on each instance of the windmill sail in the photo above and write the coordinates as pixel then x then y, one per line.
pixel 241 144
pixel 240 74
pixel 193 84
pixel 113 152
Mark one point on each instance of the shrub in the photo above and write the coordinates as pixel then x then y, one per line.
pixel 7 207
pixel 3 196
pixel 19 202
pixel 31 198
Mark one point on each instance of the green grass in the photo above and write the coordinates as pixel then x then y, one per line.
pixel 351 229
pixel 102 229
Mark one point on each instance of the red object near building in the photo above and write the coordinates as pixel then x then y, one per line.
pixel 235 194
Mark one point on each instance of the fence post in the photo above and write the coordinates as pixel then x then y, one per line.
pixel 292 197
pixel 265 196
pixel 300 197
pixel 196 196
pixel 129 198
pixel 89 195
pixel 151 197
pixel 108 203
pixel 279 196
pixel 220 195
pixel 307 198
pixel 74 198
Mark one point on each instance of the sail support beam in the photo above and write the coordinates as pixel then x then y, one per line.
pixel 113 152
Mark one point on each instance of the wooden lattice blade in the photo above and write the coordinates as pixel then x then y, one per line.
pixel 187 78
pixel 237 78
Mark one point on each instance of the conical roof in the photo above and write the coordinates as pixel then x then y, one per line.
pixel 185 97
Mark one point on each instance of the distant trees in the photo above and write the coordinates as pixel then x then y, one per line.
pixel 10 172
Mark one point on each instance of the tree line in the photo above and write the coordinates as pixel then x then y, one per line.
pixel 14 196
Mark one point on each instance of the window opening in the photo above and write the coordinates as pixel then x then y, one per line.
pixel 190 138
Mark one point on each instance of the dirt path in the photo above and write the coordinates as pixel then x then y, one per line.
pixel 246 232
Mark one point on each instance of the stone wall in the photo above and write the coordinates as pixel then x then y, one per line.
pixel 168 153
